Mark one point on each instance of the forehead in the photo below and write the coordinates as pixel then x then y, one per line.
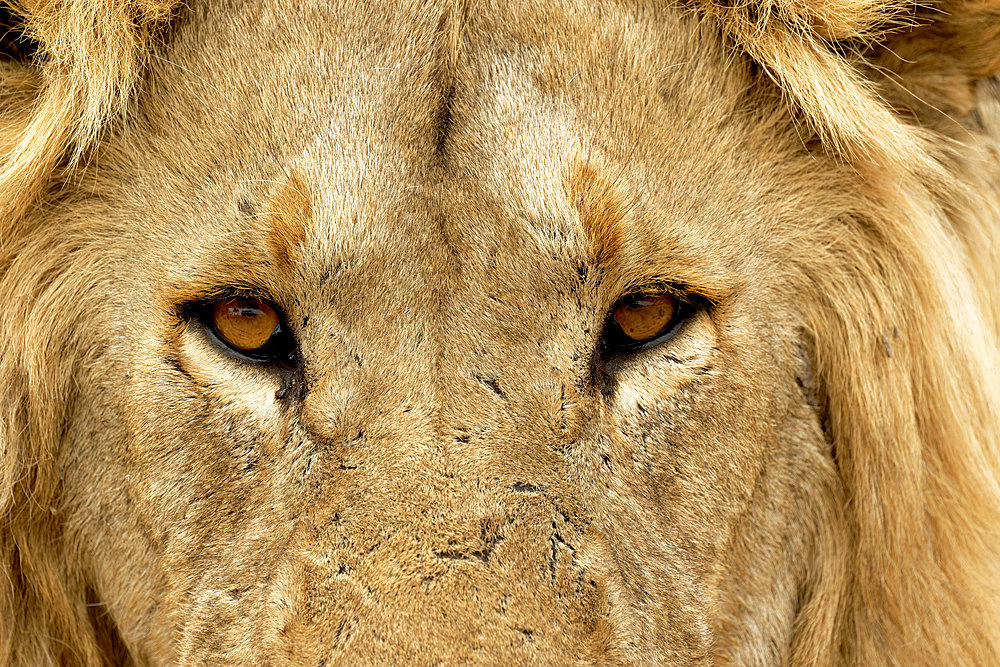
pixel 543 132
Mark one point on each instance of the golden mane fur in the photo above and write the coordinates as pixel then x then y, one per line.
pixel 896 296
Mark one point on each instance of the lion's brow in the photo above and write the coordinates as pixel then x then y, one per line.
pixel 289 211
pixel 601 211
pixel 606 213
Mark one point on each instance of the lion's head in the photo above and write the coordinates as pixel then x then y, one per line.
pixel 530 332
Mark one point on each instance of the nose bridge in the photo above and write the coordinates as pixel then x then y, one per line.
pixel 460 403
pixel 449 413
pixel 442 527
pixel 448 347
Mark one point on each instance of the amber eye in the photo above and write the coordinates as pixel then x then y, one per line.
pixel 642 320
pixel 246 324
pixel 644 316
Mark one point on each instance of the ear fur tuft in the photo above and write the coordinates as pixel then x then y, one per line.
pixel 951 46
pixel 90 56
pixel 801 44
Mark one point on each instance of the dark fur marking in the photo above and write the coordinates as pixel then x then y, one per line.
pixel 605 382
pixel 444 120
pixel 601 210
pixel 290 208
pixel 245 207
pixel 15 45
pixel 483 554
pixel 493 385
pixel 814 399
pixel 112 646
pixel 524 487
pixel 177 365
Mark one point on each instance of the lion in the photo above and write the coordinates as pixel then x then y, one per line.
pixel 540 332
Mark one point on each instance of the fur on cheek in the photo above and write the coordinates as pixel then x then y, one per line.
pixel 240 397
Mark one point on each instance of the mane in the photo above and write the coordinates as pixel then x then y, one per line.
pixel 901 299
pixel 66 71
pixel 900 302
pixel 901 313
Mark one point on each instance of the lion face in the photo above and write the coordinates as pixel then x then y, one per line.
pixel 413 334
pixel 457 462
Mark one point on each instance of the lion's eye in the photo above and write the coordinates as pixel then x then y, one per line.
pixel 250 327
pixel 642 320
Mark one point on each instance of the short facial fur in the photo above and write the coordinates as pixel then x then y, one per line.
pixel 445 200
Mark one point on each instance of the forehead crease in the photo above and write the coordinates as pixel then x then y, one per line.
pixel 563 174
pixel 372 153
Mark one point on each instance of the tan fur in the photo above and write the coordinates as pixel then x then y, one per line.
pixel 289 210
pixel 445 199
pixel 600 209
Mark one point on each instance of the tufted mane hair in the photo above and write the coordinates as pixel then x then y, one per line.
pixel 900 308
